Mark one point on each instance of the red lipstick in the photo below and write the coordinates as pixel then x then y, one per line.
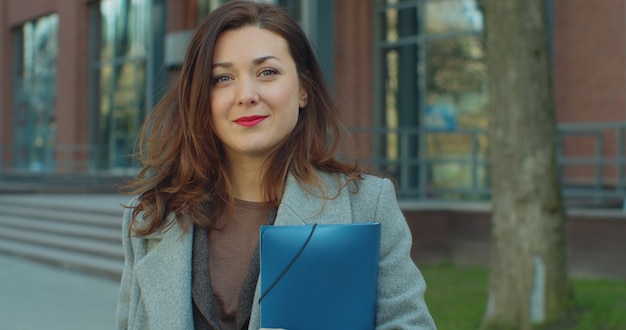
pixel 250 120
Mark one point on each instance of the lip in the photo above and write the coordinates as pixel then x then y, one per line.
pixel 250 120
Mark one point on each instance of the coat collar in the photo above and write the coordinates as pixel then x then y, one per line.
pixel 302 205
pixel 164 273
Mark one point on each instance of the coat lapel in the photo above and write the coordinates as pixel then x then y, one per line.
pixel 164 278
pixel 300 206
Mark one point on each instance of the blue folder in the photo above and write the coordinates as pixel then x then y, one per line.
pixel 319 276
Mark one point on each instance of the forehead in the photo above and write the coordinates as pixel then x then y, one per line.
pixel 249 42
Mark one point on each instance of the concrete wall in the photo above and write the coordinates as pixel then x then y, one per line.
pixel 595 243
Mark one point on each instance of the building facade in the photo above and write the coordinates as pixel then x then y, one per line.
pixel 79 76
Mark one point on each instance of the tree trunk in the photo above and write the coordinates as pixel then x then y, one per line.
pixel 528 282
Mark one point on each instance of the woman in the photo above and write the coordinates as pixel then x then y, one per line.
pixel 247 137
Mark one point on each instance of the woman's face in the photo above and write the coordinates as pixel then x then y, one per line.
pixel 255 92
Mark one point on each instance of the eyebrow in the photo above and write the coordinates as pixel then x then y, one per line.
pixel 256 61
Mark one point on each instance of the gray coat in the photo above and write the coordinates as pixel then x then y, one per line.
pixel 155 291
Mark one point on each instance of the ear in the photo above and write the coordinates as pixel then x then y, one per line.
pixel 303 97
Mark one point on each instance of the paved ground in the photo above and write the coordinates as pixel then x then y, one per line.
pixel 95 202
pixel 38 296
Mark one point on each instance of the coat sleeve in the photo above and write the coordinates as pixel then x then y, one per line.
pixel 124 297
pixel 401 286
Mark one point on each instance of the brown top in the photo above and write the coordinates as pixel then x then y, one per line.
pixel 230 251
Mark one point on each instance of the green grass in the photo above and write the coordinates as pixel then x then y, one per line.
pixel 457 297
pixel 601 304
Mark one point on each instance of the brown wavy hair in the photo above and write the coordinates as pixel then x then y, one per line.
pixel 183 161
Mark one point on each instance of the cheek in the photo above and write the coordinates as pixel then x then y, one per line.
pixel 290 110
pixel 218 106
pixel 288 98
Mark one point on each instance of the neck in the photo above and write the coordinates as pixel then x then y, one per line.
pixel 245 177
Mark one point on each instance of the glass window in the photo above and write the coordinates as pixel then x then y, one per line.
pixel 35 93
pixel 294 8
pixel 120 34
pixel 207 6
pixel 432 97
pixel 446 16
pixel 456 102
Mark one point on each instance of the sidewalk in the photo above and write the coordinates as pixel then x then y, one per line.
pixel 38 296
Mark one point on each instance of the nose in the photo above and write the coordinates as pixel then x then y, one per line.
pixel 247 94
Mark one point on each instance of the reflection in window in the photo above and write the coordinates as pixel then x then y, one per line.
pixel 456 100
pixel 444 16
pixel 207 6
pixel 118 77
pixel 293 7
pixel 434 96
pixel 35 93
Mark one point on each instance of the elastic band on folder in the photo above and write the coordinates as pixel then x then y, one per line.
pixel 289 265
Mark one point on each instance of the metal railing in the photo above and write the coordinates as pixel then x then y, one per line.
pixel 412 165
pixel 59 169
pixel 591 158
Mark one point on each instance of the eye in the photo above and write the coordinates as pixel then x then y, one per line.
pixel 221 79
pixel 268 72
